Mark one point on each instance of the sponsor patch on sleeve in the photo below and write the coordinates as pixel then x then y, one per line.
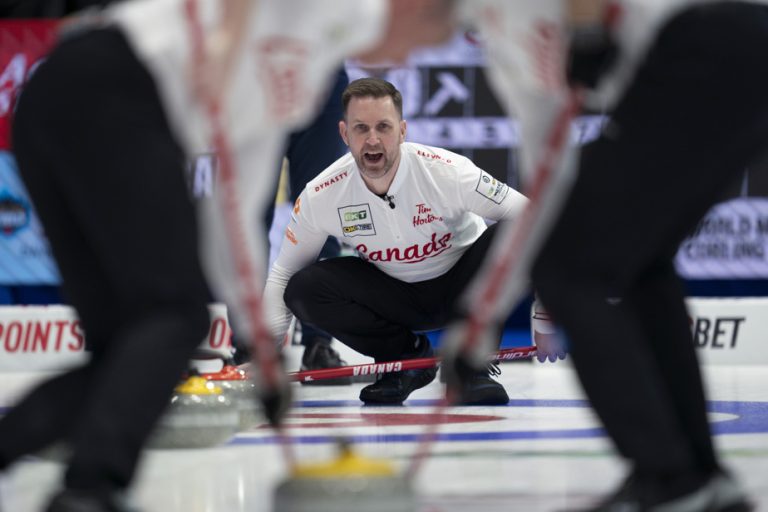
pixel 491 188
pixel 296 209
pixel 291 236
pixel 356 220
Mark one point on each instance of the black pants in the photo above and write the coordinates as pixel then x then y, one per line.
pixel 375 313
pixel 106 177
pixel 695 116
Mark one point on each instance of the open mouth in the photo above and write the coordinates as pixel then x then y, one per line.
pixel 373 158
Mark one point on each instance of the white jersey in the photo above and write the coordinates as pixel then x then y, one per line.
pixel 282 71
pixel 526 45
pixel 439 198
pixel 286 64
pixel 524 39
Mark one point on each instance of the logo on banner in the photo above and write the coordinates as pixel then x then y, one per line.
pixel 356 220
pixel 491 188
pixel 24 43
pixel 14 214
pixel 451 89
pixel 11 79
pixel 41 336
pixel 716 332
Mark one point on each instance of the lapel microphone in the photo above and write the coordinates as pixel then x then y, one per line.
pixel 388 199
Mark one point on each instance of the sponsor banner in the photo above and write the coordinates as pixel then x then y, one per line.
pixel 730 331
pixel 25 257
pixel 730 242
pixel 22 44
pixel 488 132
pixel 44 338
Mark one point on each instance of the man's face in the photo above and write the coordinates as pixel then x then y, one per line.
pixel 373 131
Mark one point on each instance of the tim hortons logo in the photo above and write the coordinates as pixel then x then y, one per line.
pixel 424 215
pixel 412 254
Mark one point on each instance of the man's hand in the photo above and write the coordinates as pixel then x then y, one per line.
pixel 549 342
pixel 457 358
pixel 274 394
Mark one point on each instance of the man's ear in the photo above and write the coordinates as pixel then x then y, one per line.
pixel 403 130
pixel 343 132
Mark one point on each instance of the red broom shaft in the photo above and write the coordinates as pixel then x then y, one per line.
pixel 397 366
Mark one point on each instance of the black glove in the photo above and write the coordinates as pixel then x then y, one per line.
pixel 591 54
pixel 277 403
pixel 275 397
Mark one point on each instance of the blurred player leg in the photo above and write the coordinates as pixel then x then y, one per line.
pixel 640 189
pixel 124 234
pixel 309 152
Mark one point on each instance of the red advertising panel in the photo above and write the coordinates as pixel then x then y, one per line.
pixel 22 44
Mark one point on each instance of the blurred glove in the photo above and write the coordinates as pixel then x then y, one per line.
pixel 549 342
pixel 277 403
pixel 275 396
pixel 458 361
pixel 592 52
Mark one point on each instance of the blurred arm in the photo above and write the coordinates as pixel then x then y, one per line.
pixel 301 245
pixel 585 12
pixel 486 196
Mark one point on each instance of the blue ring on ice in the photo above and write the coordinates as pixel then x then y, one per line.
pixel 751 418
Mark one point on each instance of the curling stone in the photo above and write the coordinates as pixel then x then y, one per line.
pixel 200 415
pixel 351 483
pixel 240 390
